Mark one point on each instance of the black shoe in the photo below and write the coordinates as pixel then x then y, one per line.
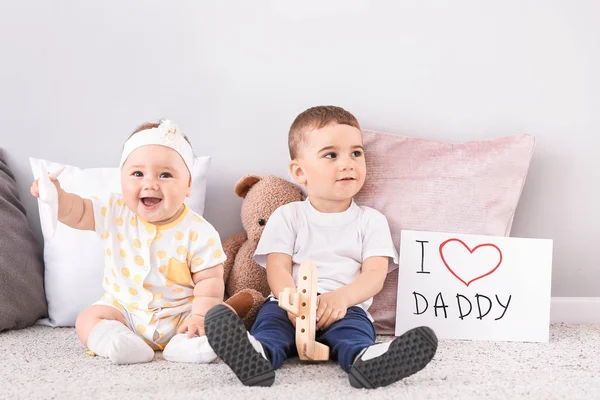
pixel 229 339
pixel 405 355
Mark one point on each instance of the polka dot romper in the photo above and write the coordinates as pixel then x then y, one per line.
pixel 148 269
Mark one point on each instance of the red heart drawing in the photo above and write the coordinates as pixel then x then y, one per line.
pixel 470 251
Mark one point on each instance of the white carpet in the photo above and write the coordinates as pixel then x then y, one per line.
pixel 47 363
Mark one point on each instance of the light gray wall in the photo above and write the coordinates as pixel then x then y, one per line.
pixel 78 76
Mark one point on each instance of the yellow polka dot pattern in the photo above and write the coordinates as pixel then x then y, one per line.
pixel 135 252
pixel 197 262
pixel 116 304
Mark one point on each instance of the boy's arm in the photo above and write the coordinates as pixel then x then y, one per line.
pixel 279 272
pixel 332 306
pixel 279 276
pixel 369 282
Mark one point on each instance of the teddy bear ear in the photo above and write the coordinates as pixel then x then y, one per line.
pixel 244 184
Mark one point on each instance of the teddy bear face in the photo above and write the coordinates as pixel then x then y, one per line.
pixel 262 199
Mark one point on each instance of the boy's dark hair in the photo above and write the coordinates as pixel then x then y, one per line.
pixel 317 118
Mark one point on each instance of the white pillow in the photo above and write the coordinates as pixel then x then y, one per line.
pixel 74 259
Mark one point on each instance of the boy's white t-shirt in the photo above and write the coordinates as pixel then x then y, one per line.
pixel 337 242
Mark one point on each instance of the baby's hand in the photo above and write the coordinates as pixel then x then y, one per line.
pixel 35 188
pixel 331 307
pixel 194 324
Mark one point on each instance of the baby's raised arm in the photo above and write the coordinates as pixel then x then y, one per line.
pixel 73 210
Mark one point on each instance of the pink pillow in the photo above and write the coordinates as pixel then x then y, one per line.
pixel 428 185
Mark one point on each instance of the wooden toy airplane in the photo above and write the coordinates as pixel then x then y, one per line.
pixel 303 304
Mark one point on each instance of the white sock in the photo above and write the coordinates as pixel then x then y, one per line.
pixel 374 350
pixel 113 340
pixel 189 350
pixel 257 346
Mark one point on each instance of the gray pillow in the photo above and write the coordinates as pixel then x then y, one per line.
pixel 22 298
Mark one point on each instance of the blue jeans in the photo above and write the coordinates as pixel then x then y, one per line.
pixel 346 338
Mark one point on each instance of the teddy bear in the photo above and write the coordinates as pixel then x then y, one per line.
pixel 246 286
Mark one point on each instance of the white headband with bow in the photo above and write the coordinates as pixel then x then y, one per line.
pixel 166 134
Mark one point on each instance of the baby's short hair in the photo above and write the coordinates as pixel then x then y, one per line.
pixel 317 118
pixel 144 126
pixel 151 125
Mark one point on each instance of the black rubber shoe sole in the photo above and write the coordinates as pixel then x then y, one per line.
pixel 229 339
pixel 407 355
